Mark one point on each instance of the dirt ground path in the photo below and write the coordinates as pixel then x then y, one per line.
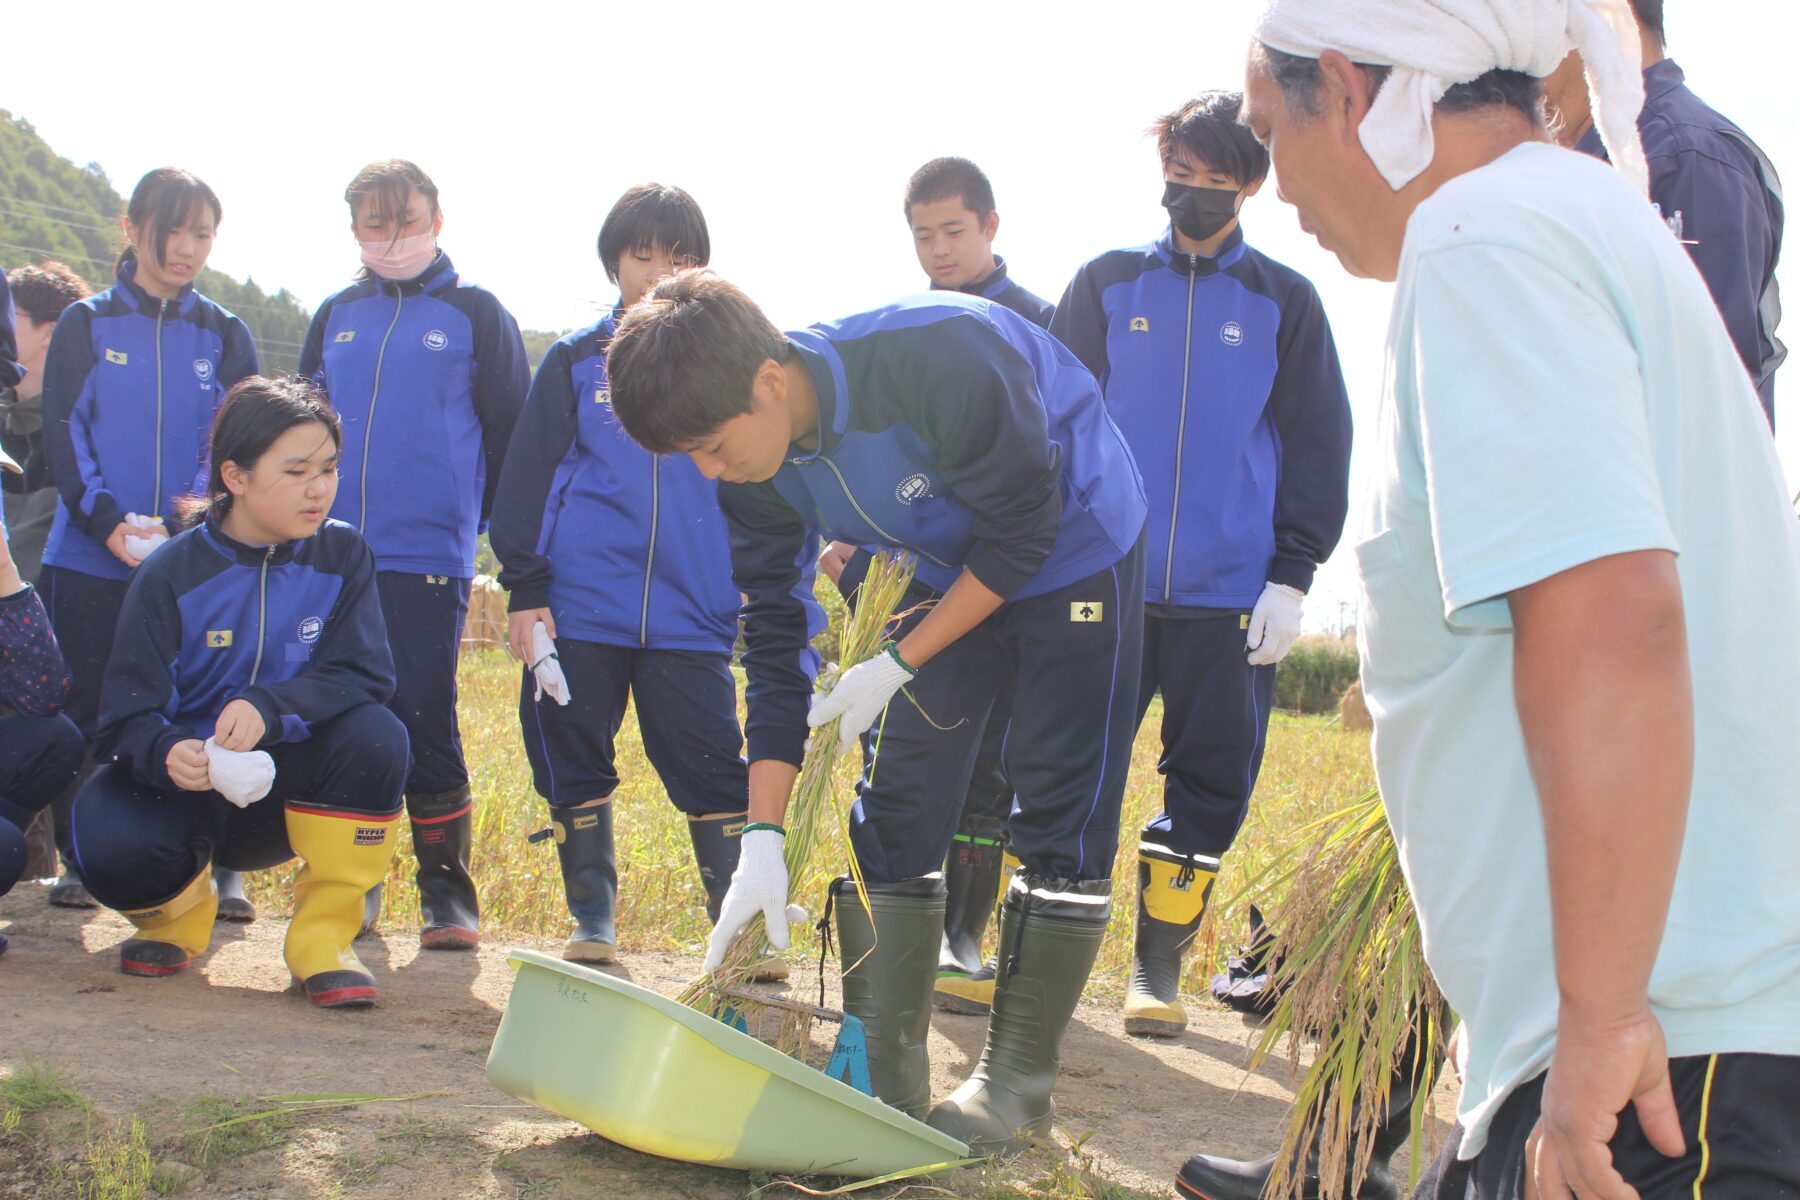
pixel 231 1029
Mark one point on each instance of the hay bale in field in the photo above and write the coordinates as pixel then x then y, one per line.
pixel 1353 713
pixel 485 626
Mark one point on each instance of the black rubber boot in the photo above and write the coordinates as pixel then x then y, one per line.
pixel 972 891
pixel 1050 931
pixel 887 976
pixel 1204 1177
pixel 233 904
pixel 442 829
pixel 584 847
pixel 1172 893
pixel 68 892
pixel 716 842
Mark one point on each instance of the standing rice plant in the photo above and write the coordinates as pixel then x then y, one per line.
pixel 1350 976
pixel 811 809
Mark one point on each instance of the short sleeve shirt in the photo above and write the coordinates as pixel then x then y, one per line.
pixel 1560 388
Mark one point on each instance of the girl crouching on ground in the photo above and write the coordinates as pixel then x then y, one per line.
pixel 257 632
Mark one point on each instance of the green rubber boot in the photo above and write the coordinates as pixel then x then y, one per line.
pixel 889 965
pixel 1050 931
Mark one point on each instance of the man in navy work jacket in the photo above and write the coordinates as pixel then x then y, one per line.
pixel 951 429
pixel 951 212
pixel 1218 366
pixel 1714 186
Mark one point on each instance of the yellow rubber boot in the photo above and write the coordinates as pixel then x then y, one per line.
pixel 174 933
pixel 1172 893
pixel 973 993
pixel 345 855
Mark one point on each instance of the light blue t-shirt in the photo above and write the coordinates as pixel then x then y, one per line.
pixel 1561 388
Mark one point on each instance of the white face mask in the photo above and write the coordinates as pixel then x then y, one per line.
pixel 402 259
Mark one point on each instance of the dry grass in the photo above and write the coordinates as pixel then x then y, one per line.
pixel 1312 768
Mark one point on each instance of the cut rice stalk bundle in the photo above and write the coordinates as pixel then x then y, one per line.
pixel 865 632
pixel 1350 977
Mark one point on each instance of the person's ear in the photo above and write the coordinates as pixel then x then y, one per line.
pixel 768 387
pixel 1254 186
pixel 236 479
pixel 437 223
pixel 1345 94
pixel 991 226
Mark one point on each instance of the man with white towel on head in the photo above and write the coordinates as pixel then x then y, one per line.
pixel 1580 606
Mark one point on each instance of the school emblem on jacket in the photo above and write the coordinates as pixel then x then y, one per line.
pixel 436 340
pixel 218 638
pixel 204 369
pixel 117 356
pixel 310 629
pixel 913 487
pixel 348 335
pixel 602 395
pixel 1140 325
pixel 1231 333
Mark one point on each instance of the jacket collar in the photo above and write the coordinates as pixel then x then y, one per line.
pixel 831 386
pixel 243 554
pixel 143 301
pixel 1230 251
pixel 439 273
pixel 988 287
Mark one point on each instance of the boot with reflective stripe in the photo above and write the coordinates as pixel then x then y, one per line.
pixel 887 953
pixel 716 841
pixel 1172 893
pixel 442 829
pixel 584 847
pixel 972 993
pixel 1050 931
pixel 172 934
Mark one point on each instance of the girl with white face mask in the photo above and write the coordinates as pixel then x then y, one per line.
pixel 428 374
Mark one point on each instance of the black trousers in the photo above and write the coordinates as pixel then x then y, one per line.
pixel 1740 1119
pixel 1215 725
pixel 84 612
pixel 686 704
pixel 424 615
pixel 1072 658
pixel 39 757
pixel 137 845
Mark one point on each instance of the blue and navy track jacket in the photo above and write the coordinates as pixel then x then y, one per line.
pixel 428 376
pixel 10 370
pixel 999 288
pixel 952 429
pixel 127 372
pixel 294 628
pixel 1222 374
pixel 624 547
pixel 1719 193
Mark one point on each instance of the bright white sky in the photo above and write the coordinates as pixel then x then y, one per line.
pixel 794 124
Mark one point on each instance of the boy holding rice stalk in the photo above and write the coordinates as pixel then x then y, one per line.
pixel 1578 561
pixel 952 430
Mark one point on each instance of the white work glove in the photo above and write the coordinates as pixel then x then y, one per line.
pixel 760 884
pixel 545 667
pixel 241 776
pixel 860 695
pixel 141 548
pixel 1274 624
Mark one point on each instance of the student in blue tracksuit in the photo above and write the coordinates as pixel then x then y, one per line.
pixel 131 382
pixel 428 373
pixel 1219 367
pixel 952 429
pixel 257 630
pixel 621 556
pixel 950 209
pixel 1715 188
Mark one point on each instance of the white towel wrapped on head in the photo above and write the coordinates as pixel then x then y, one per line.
pixel 241 776
pixel 1434 44
pixel 141 548
pixel 544 667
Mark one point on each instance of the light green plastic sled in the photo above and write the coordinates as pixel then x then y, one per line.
pixel 648 1073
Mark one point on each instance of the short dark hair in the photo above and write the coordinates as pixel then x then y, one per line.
pixel 1649 14
pixel 651 215
pixel 163 201
pixel 1300 80
pixel 389 181
pixel 257 411
pixel 1207 130
pixel 946 178
pixel 43 291
pixel 682 359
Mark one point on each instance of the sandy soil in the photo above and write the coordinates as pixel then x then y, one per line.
pixel 231 1028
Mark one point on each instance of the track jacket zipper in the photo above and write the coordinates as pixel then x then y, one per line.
pixel 262 611
pixel 870 521
pixel 650 555
pixel 162 306
pixel 1187 368
pixel 369 427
